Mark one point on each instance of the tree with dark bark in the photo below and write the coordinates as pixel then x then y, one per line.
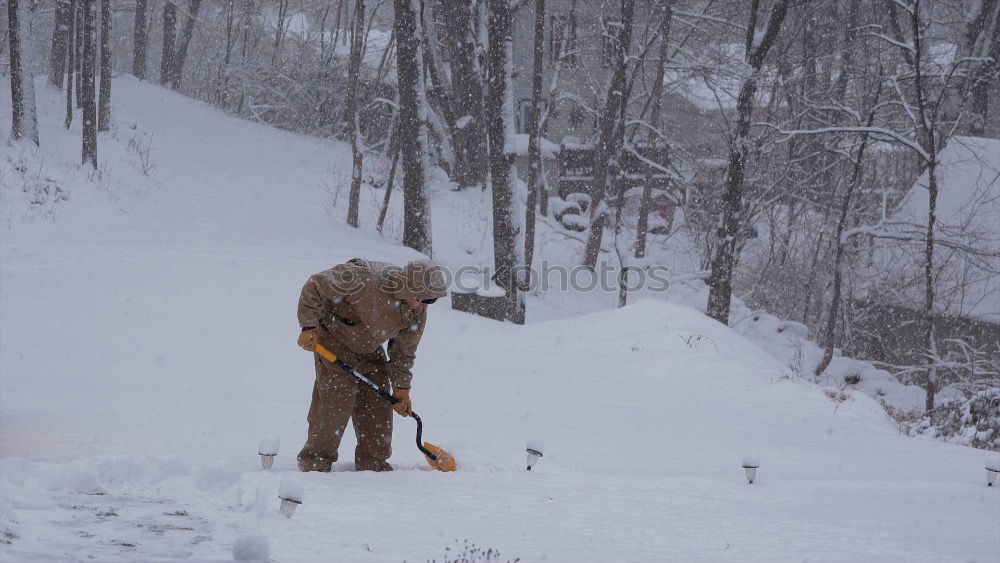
pixel 104 101
pixel 88 69
pixel 71 62
pixel 167 66
pixel 78 46
pixel 757 47
pixel 498 128
pixel 175 48
pixel 24 121
pixel 655 136
pixel 827 339
pixel 353 119
pixel 180 52
pixel 61 34
pixel 140 38
pixel 467 94
pixel 609 143
pixel 412 126
pixel 982 40
pixel 534 140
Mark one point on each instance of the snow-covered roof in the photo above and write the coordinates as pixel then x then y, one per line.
pixel 520 145
pixel 967 250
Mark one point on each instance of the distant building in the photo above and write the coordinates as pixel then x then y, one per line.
pixel 966 259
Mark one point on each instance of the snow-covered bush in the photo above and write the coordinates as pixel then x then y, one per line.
pixel 470 553
pixel 974 422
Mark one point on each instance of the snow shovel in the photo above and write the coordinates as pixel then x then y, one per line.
pixel 436 456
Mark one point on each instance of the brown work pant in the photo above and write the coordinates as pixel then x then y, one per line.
pixel 338 396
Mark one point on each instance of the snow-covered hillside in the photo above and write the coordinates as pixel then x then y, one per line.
pixel 147 343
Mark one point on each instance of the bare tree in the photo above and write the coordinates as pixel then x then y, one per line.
pixel 61 34
pixel 24 122
pixel 983 46
pixel 534 140
pixel 180 53
pixel 140 38
pixel 827 338
pixel 655 136
pixel 467 94
pixel 167 56
pixel 505 252
pixel 412 126
pixel 757 47
pixel 78 18
pixel 353 120
pixel 88 69
pixel 104 101
pixel 609 143
pixel 71 62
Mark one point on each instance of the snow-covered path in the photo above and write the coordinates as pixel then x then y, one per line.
pixel 143 353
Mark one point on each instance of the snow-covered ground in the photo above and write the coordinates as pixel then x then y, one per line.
pixel 147 343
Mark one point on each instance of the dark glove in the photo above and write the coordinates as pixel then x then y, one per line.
pixel 307 339
pixel 404 407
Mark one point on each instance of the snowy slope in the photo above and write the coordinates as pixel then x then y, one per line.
pixel 144 349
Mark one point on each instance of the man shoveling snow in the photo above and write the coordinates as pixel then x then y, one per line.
pixel 351 310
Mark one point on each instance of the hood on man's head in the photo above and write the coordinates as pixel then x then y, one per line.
pixel 422 279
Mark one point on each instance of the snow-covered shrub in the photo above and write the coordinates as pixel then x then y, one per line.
pixel 27 185
pixel 837 395
pixel 470 553
pixel 974 422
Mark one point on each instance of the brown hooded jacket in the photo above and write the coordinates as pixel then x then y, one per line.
pixel 361 304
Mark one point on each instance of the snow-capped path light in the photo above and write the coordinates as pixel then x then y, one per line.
pixel 534 449
pixel 751 462
pixel 992 470
pixel 290 493
pixel 267 448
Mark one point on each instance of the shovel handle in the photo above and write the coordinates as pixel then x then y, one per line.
pixel 332 358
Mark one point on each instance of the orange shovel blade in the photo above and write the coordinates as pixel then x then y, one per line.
pixel 444 462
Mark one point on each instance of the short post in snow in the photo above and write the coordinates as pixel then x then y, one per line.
pixel 290 493
pixel 751 462
pixel 992 471
pixel 534 450
pixel 267 448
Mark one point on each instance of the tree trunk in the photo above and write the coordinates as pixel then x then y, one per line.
pixel 88 69
pixel 16 74
pixel 829 330
pixel 180 54
pixel 498 108
pixel 393 154
pixel 140 38
pixel 927 136
pixel 60 42
pixel 655 135
pixel 412 126
pixel 79 52
pixel 167 56
pixel 983 41
pixel 608 147
pixel 357 50
pixel 104 103
pixel 71 62
pixel 534 141
pixel 469 136
pixel 721 278
pixel 24 122
pixel 279 34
